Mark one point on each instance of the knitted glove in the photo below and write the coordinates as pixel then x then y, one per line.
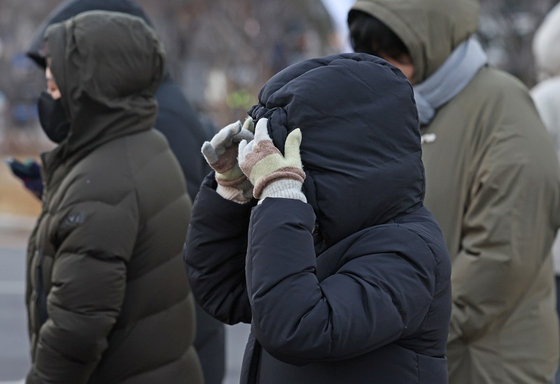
pixel 221 155
pixel 272 174
pixel 29 172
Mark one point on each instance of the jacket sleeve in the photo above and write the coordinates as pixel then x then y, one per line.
pixel 371 300
pixel 507 233
pixel 94 242
pixel 215 252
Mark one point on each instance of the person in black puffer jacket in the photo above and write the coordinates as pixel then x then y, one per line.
pixel 317 235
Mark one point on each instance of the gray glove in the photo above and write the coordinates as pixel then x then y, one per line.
pixel 221 155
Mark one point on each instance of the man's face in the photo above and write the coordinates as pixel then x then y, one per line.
pixel 52 88
pixel 404 63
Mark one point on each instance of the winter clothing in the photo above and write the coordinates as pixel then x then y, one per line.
pixel 494 187
pixel 264 165
pixel 449 80
pixel 108 299
pixel 52 118
pixel 176 119
pixel 221 155
pixel 546 94
pixel 352 287
pixel 180 125
pixel 29 172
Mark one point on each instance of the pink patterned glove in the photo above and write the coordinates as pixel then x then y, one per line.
pixel 272 174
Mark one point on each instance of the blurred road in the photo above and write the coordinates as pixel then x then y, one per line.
pixel 14 347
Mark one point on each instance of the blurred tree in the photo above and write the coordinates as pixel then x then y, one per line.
pixel 222 52
pixel 221 49
pixel 506 30
pixel 19 80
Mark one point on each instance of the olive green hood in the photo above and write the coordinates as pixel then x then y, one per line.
pixel 430 29
pixel 107 66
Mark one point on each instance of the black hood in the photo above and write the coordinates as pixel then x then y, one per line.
pixel 361 141
pixel 72 8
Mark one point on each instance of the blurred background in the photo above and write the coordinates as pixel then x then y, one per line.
pixel 221 52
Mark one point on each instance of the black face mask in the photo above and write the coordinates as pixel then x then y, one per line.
pixel 53 118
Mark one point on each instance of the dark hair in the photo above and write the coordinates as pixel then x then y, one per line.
pixel 369 35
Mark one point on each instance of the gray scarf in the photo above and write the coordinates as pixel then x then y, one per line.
pixel 449 79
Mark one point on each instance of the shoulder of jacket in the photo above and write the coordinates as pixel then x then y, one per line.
pixel 404 236
pixel 495 97
pixel 491 82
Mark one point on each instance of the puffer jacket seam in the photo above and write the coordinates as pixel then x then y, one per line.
pixel 169 307
pixel 155 267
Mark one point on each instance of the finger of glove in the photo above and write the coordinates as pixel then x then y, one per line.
pixel 34 168
pixel 249 124
pixel 291 149
pixel 243 149
pixel 209 153
pixel 243 135
pixel 224 138
pixel 261 131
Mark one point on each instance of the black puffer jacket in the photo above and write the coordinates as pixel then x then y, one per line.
pixel 180 125
pixel 353 287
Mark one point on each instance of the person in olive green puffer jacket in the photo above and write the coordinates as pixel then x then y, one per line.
pixel 492 183
pixel 107 293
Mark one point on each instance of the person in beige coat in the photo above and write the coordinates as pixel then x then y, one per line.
pixel 492 183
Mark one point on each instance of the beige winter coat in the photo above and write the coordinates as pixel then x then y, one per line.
pixel 493 184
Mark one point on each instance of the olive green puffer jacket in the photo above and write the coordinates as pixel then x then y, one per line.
pixel 107 292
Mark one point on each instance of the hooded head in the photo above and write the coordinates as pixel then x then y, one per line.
pixel 430 29
pixel 71 8
pixel 107 66
pixel 546 48
pixel 360 138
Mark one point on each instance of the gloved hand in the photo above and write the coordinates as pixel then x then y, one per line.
pixel 272 174
pixel 221 155
pixel 29 172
